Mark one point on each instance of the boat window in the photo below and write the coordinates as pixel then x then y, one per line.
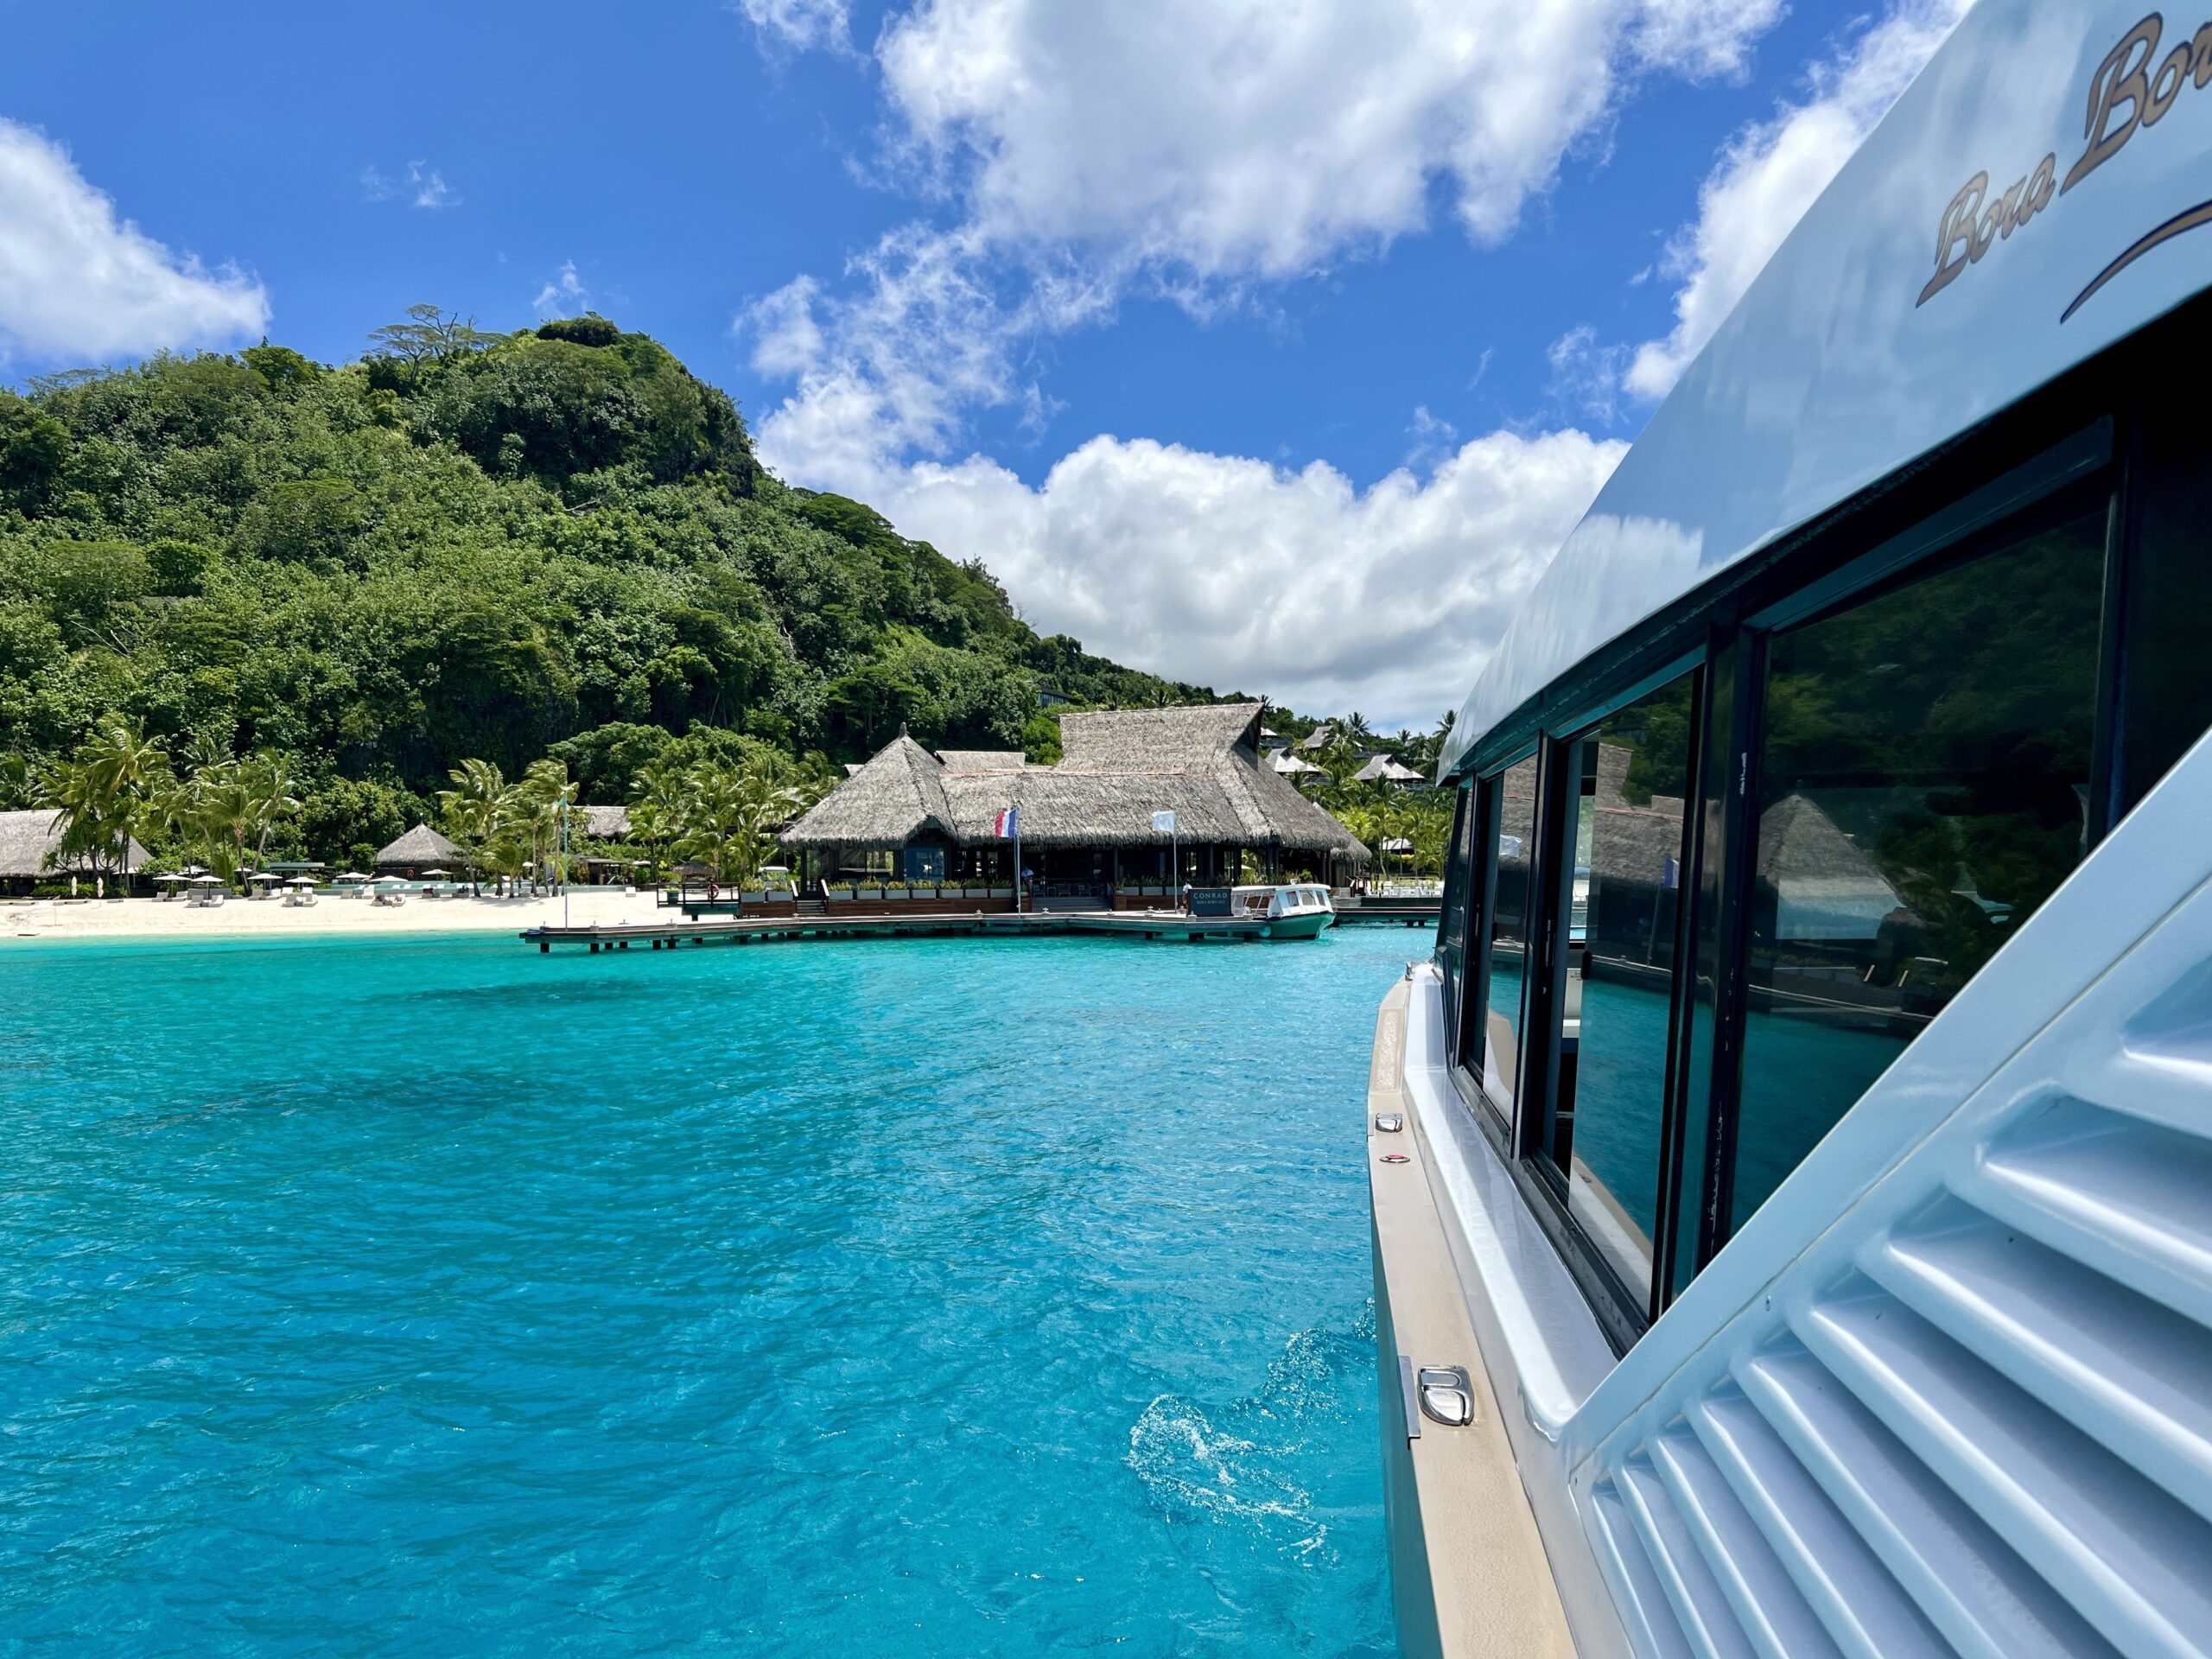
pixel 1514 796
pixel 1452 927
pixel 2167 699
pixel 1922 786
pixel 1628 825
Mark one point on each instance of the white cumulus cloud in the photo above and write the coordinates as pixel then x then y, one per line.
pixel 1200 150
pixel 1771 172
pixel 1249 138
pixel 79 283
pixel 1229 571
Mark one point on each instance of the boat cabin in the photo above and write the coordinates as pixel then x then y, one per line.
pixel 1825 893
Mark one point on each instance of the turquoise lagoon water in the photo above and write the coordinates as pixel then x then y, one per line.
pixel 912 1297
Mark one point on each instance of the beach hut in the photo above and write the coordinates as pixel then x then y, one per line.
pixel 28 841
pixel 1385 769
pixel 1087 823
pixel 419 849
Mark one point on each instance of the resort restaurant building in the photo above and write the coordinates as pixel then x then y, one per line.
pixel 1086 823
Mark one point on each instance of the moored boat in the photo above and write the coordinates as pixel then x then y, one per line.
pixel 1295 910
pixel 1788 1174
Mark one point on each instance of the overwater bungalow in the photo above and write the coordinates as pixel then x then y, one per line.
pixel 1087 823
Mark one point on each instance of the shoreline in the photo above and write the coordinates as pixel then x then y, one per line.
pixel 28 921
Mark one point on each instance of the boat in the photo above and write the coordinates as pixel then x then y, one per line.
pixel 1788 1172
pixel 1295 910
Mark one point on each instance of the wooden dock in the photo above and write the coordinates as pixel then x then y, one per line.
pixel 769 930
pixel 1407 913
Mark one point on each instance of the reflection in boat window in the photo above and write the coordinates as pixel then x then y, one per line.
pixel 1604 1129
pixel 1453 928
pixel 1508 936
pixel 2168 697
pixel 1923 787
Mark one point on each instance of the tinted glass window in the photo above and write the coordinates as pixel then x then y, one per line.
pixel 1604 1133
pixel 1514 795
pixel 1452 934
pixel 2167 701
pixel 1923 787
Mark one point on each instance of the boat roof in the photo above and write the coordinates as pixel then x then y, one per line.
pixel 1854 352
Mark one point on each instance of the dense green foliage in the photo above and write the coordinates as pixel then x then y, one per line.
pixel 465 547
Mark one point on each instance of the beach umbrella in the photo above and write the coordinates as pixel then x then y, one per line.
pixel 350 875
pixel 195 869
pixel 300 881
pixel 171 877
pixel 262 875
pixel 206 880
pixel 437 872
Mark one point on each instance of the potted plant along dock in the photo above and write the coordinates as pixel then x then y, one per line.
pixel 837 893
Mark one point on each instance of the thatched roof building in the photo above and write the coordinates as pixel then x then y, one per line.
pixel 1117 769
pixel 27 841
pixel 603 822
pixel 1385 769
pixel 420 848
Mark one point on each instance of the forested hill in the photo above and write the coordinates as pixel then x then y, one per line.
pixel 471 545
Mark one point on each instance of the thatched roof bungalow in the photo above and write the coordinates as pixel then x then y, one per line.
pixel 1088 821
pixel 421 849
pixel 27 844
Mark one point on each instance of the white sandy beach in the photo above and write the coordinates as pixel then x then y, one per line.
pixel 122 918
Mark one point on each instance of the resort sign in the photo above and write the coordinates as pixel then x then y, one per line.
pixel 2126 95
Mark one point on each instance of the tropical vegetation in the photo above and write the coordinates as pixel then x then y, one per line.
pixel 315 591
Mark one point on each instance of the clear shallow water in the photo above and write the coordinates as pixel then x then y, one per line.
pixel 948 1297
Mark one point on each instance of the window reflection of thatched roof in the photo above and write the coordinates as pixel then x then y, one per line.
pixel 1825 887
pixel 1628 842
pixel 1118 768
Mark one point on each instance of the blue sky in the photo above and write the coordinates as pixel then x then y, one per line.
pixel 1268 344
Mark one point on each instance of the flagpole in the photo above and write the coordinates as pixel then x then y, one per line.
pixel 1017 861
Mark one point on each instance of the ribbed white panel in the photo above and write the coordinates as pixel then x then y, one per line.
pixel 1971 1415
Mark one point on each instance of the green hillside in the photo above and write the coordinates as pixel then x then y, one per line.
pixel 471 546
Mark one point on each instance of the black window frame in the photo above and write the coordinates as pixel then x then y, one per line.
pixel 2049 458
pixel 1487 803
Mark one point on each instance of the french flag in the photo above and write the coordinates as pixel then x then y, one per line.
pixel 1008 823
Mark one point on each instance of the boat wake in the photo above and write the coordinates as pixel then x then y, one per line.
pixel 1252 1464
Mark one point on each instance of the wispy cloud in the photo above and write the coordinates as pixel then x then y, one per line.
pixel 799 25
pixel 418 184
pixel 564 294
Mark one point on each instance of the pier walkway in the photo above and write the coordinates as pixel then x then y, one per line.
pixel 767 929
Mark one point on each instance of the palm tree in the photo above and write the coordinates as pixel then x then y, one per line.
pixel 657 803
pixel 475 811
pixel 269 780
pixel 219 810
pixel 108 792
pixel 537 802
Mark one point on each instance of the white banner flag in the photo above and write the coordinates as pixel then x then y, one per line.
pixel 1163 824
